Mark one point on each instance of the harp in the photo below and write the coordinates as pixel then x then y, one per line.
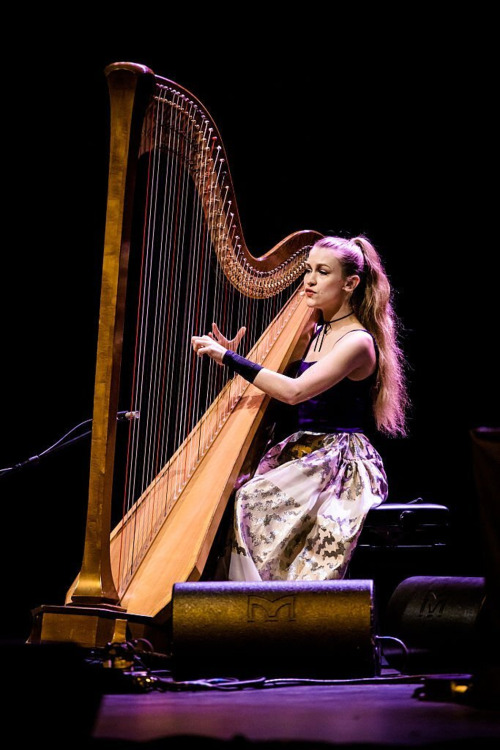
pixel 175 260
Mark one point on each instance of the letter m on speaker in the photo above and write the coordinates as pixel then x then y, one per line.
pixel 270 610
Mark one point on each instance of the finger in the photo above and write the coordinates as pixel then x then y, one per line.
pixel 239 335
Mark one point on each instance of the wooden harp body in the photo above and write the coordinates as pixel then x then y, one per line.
pixel 175 260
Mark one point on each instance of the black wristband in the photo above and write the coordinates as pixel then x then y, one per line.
pixel 241 366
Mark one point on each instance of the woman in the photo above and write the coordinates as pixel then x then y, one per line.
pixel 299 517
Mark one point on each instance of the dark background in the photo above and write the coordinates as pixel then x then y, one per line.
pixel 371 125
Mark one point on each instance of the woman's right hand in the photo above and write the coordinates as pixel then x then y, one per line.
pixel 207 345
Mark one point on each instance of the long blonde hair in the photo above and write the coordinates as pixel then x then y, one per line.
pixel 372 304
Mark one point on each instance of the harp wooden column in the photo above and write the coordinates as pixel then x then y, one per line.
pixel 94 616
pixel 129 95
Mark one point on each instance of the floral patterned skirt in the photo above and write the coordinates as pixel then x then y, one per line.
pixel 300 515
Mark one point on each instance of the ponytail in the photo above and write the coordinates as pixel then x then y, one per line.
pixel 373 306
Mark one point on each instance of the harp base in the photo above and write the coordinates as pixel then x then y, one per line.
pixel 95 627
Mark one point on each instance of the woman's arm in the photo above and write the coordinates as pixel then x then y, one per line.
pixel 351 354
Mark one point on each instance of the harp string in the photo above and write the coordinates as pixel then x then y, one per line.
pixel 197 307
pixel 189 227
pixel 161 211
pixel 133 533
pixel 173 225
pixel 177 268
pixel 126 550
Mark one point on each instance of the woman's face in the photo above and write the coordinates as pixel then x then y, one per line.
pixel 324 281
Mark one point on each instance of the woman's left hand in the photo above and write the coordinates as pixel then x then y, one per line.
pixel 228 343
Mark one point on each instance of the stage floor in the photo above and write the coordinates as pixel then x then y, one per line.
pixel 56 696
pixel 370 712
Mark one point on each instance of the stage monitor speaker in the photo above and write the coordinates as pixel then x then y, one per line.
pixel 437 619
pixel 299 629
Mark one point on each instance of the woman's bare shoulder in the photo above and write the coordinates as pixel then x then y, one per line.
pixel 362 339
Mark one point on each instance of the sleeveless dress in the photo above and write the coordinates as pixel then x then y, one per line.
pixel 300 515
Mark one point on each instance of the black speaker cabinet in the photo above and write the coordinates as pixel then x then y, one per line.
pixel 273 629
pixel 437 618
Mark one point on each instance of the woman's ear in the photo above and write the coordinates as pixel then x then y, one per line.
pixel 351 283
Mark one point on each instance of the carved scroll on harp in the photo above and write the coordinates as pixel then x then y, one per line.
pixel 188 266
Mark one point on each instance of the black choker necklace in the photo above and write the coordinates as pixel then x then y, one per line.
pixel 326 327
